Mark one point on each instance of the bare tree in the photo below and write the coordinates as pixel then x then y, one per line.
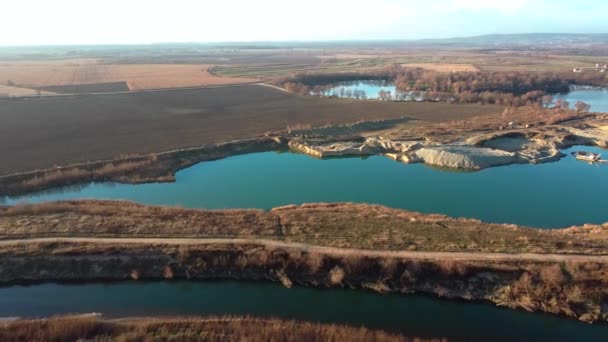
pixel 547 100
pixel 382 95
pixel 582 107
pixel 562 104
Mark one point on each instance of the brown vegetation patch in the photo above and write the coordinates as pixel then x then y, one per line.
pixel 534 122
pixel 133 169
pixel 79 328
pixel 10 91
pixel 500 88
pixel 574 288
pixel 443 67
pixel 333 225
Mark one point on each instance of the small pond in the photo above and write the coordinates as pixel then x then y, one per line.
pixel 363 89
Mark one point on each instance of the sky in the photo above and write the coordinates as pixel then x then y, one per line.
pixel 52 22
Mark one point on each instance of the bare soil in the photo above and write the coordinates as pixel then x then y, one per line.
pixel 42 133
pixel 89 88
pixel 53 74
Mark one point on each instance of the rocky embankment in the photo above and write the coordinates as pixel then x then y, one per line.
pixel 456 156
pixel 476 152
pixel 465 157
pixel 473 150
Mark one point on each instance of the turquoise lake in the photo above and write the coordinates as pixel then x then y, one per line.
pixel 560 194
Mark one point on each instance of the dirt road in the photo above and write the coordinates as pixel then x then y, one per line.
pixel 326 250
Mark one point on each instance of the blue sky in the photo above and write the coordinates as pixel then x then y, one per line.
pixel 47 22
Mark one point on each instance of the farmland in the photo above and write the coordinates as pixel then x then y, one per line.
pixel 17 91
pixel 433 58
pixel 105 126
pixel 162 67
pixel 55 74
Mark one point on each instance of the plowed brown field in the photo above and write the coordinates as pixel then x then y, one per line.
pixel 40 133
pixel 88 71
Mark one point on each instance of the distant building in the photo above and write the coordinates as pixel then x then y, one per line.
pixel 598 67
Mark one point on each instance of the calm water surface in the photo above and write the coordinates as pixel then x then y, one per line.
pixel 597 98
pixel 560 194
pixel 371 89
pixel 413 315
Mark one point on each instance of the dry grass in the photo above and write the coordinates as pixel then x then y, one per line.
pixel 333 225
pixel 137 76
pixel 17 91
pixel 133 169
pixel 186 329
pixel 479 126
pixel 73 175
pixel 575 288
pixel 443 67
pixel 39 73
pixel 101 218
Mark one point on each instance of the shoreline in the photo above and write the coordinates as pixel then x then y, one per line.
pixel 473 152
pixel 533 270
pixel 519 284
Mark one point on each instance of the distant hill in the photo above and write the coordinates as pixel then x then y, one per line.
pixel 570 42
pixel 524 39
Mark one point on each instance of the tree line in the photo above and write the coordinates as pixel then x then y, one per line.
pixel 509 88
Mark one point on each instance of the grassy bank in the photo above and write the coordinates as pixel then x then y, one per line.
pixel 337 245
pixel 339 225
pixel 159 167
pixel 572 287
pixel 89 328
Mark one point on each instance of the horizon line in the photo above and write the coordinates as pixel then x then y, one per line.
pixel 300 41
